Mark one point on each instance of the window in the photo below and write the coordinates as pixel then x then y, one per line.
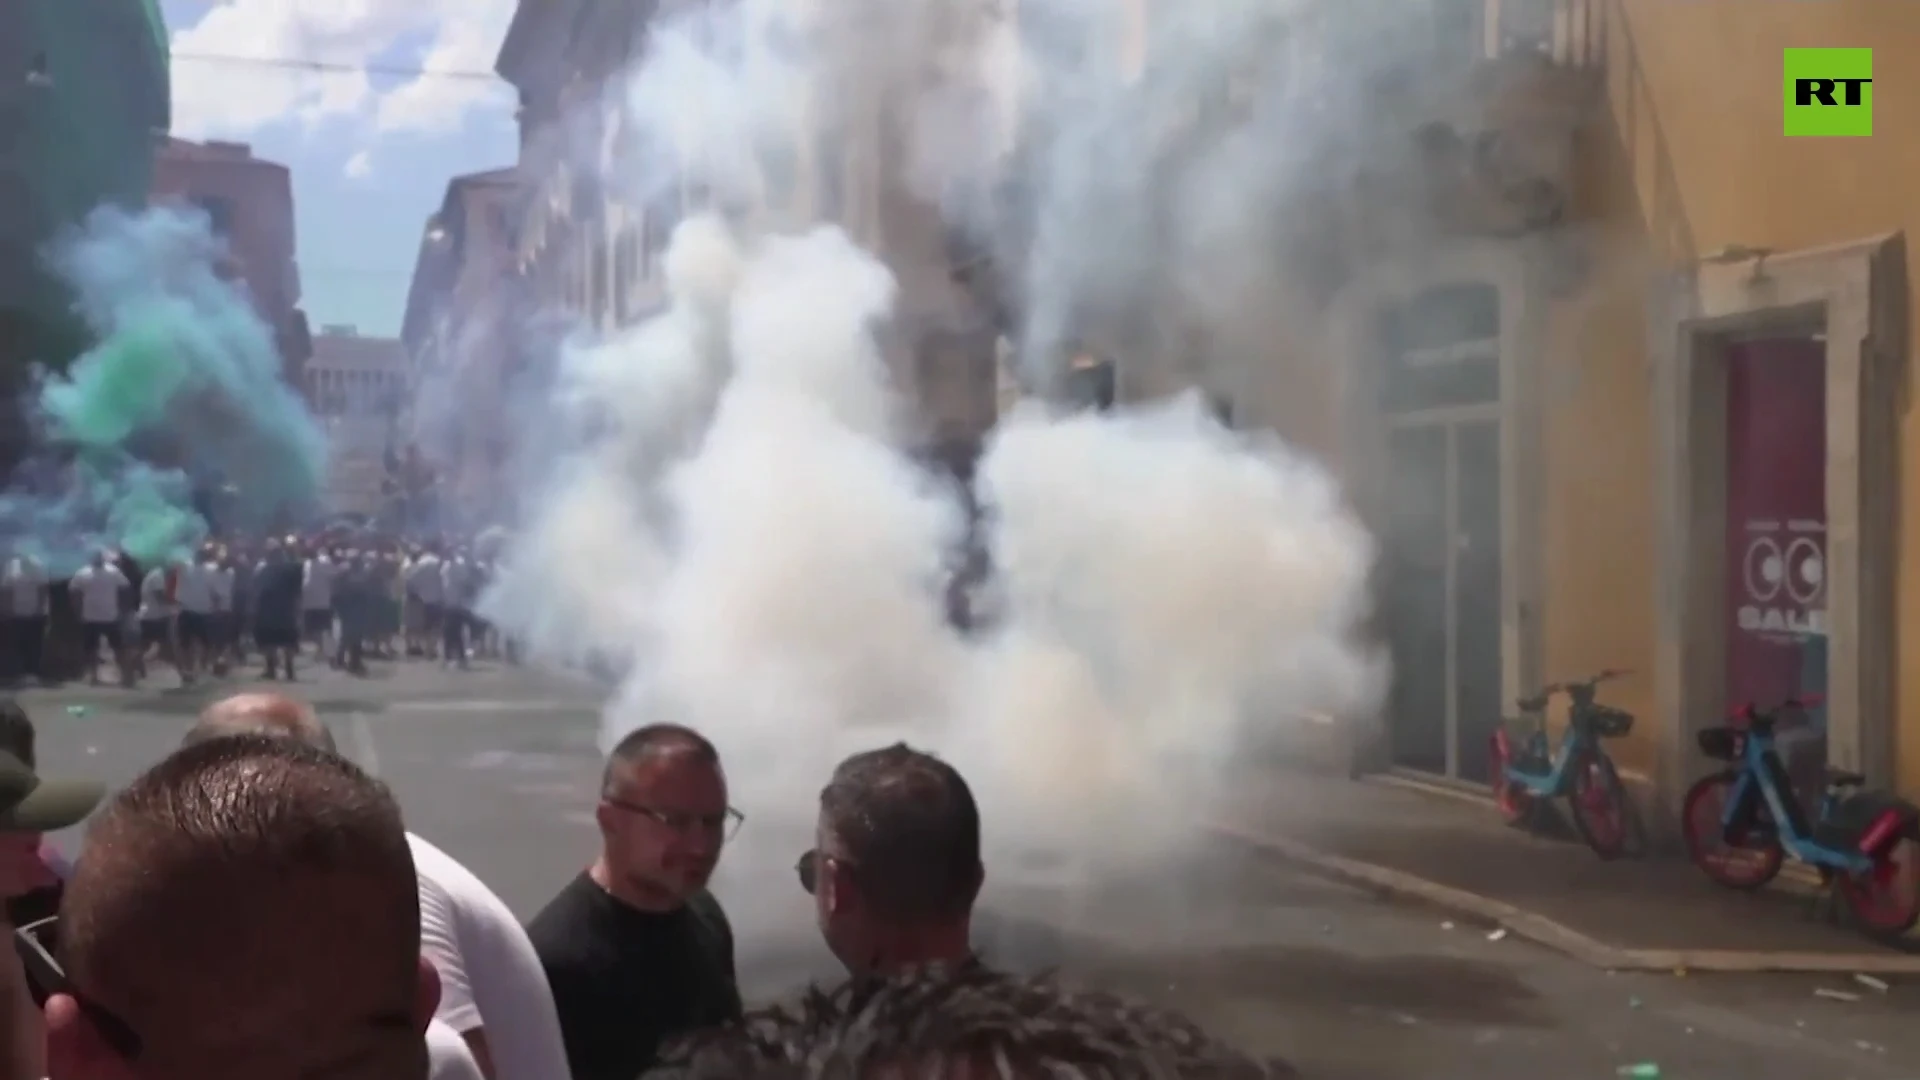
pixel 219 211
pixel 1441 348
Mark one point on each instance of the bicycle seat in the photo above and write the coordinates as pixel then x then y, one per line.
pixel 1533 704
pixel 1843 778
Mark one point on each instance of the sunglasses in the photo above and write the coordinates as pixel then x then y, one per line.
pixel 33 943
pixel 807 867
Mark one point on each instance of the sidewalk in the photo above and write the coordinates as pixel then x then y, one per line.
pixel 1653 914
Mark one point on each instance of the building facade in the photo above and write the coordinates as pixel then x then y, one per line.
pixel 1616 371
pixel 465 334
pixel 83 101
pixel 357 386
pixel 583 251
pixel 249 205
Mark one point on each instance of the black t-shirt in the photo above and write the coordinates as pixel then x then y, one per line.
pixel 277 593
pixel 625 981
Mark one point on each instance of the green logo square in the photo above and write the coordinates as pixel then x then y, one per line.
pixel 1829 91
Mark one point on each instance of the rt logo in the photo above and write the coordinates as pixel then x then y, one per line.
pixel 1829 91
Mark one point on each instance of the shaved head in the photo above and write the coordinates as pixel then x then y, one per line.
pixel 261 713
pixel 248 906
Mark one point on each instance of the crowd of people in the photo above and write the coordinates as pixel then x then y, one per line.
pixel 345 598
pixel 253 906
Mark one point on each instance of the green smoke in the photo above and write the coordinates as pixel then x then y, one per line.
pixel 184 384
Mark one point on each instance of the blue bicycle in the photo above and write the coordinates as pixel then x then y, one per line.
pixel 1742 822
pixel 1527 770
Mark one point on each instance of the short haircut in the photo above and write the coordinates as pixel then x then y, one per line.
pixel 652 739
pixel 967 1021
pixel 260 713
pixel 16 732
pixel 228 875
pixel 909 830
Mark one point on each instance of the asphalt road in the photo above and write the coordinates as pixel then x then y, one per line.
pixel 499 768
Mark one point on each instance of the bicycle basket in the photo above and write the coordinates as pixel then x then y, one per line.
pixel 1609 723
pixel 1722 743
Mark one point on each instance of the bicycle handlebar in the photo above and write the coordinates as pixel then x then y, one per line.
pixel 1572 686
pixel 1752 714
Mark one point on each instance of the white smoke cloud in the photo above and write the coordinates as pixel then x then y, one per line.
pixel 1164 586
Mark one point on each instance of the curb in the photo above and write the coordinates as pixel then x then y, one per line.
pixel 1541 930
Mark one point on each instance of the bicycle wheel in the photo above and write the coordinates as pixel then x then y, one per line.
pixel 1514 802
pixel 1885 901
pixel 1602 811
pixel 1747 858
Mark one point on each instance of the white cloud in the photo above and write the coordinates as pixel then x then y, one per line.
pixel 359 166
pixel 216 98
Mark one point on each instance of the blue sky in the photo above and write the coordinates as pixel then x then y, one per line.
pixel 370 150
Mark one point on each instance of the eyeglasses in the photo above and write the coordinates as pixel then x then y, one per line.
pixel 726 824
pixel 807 867
pixel 47 979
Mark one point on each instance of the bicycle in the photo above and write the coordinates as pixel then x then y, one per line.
pixel 1524 777
pixel 1864 844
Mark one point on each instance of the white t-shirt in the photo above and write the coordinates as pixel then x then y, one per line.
pixel 99 588
pixel 447 1055
pixel 26 586
pixel 194 591
pixel 423 579
pixel 489 974
pixel 316 591
pixel 153 595
pixel 220 584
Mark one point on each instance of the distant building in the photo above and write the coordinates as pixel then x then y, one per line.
pixel 250 204
pixel 462 334
pixel 357 386
pixel 587 253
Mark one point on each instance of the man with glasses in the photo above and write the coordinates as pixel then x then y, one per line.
pixel 896 866
pixel 635 948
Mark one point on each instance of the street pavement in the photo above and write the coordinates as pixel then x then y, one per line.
pixel 499 767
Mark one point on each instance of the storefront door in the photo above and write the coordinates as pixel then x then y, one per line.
pixel 1776 536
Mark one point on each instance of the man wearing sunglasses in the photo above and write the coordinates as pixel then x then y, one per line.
pixel 635 948
pixel 896 863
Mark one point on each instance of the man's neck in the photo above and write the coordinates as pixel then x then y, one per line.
pixel 638 897
pixel 922 946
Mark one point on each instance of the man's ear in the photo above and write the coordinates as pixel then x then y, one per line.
pixel 426 999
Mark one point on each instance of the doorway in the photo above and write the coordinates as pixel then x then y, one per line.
pixel 1443 593
pixel 1776 530
pixel 1440 398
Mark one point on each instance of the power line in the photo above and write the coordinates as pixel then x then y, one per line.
pixel 288 63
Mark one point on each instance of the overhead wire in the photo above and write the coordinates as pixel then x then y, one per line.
pixel 328 67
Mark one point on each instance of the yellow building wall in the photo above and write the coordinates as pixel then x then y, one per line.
pixel 1689 159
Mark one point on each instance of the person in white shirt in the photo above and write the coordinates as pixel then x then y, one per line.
pixel 493 990
pixel 447 1055
pixel 96 591
pixel 157 611
pixel 23 583
pixel 223 628
pixel 425 593
pixel 456 579
pixel 316 600
pixel 195 596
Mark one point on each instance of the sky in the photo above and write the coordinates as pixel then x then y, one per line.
pixel 371 147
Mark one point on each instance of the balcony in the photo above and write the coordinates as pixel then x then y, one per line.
pixel 1482 128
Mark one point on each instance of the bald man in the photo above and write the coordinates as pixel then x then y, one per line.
pixel 493 991
pixel 261 714
pixel 245 908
